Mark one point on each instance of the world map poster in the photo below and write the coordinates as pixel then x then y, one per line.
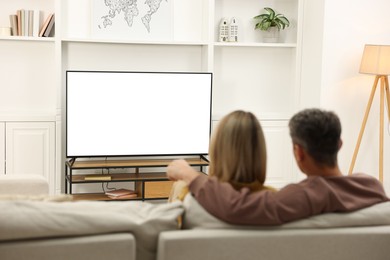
pixel 141 20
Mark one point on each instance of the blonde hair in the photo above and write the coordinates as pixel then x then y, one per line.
pixel 237 150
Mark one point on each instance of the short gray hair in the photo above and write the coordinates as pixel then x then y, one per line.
pixel 318 132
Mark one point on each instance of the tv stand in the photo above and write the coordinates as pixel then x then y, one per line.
pixel 149 185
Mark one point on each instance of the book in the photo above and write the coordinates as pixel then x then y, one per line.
pixel 22 22
pixel 123 197
pixel 14 24
pixel 120 192
pixel 30 22
pixel 50 28
pixel 19 16
pixel 37 19
pixel 25 23
pixel 45 24
pixel 97 177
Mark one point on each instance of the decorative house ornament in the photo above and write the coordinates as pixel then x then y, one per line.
pixel 223 30
pixel 233 30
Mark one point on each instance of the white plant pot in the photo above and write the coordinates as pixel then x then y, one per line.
pixel 271 35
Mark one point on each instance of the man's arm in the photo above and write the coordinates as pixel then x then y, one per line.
pixel 246 208
pixel 180 170
pixel 312 196
pixel 242 207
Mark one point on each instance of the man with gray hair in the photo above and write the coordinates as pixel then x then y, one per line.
pixel 316 141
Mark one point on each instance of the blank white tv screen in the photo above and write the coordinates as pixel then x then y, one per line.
pixel 137 113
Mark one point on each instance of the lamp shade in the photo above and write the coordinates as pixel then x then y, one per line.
pixel 375 60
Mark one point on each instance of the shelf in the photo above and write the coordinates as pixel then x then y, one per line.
pixel 254 44
pixel 124 41
pixel 122 177
pixel 26 116
pixel 98 196
pixel 27 38
pixel 136 163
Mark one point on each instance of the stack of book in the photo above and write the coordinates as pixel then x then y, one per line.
pixel 121 194
pixel 27 23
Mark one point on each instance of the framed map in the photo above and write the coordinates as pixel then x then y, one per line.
pixel 132 19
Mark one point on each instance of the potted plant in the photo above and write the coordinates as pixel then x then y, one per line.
pixel 272 23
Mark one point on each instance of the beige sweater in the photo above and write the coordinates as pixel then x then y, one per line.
pixel 312 196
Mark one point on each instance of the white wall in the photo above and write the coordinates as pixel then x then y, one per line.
pixel 348 26
pixel 313 22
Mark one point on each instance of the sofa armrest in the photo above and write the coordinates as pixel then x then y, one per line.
pixel 23 184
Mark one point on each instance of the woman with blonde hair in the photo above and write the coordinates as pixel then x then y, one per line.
pixel 237 155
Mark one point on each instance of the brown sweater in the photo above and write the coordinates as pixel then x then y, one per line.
pixel 312 196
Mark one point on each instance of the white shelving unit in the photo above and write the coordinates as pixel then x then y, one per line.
pixel 249 74
pixel 28 98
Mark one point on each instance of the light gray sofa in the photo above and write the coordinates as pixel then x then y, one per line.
pixel 135 230
pixel 37 226
pixel 145 231
pixel 363 234
pixel 353 243
pixel 31 229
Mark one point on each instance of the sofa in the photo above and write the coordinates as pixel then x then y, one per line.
pixel 32 228
pixel 309 244
pixel 363 234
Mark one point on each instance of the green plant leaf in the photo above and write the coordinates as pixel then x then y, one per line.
pixel 271 19
pixel 283 20
pixel 266 25
pixel 261 16
pixel 270 11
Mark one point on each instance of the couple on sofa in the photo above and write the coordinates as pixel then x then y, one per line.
pixel 235 192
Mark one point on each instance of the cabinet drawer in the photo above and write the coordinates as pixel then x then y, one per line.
pixel 157 189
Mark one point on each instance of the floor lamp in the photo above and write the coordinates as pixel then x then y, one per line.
pixel 375 61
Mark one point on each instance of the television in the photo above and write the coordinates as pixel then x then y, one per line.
pixel 127 113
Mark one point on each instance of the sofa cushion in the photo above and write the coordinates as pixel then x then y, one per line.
pixel 94 247
pixel 196 217
pixel 37 219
